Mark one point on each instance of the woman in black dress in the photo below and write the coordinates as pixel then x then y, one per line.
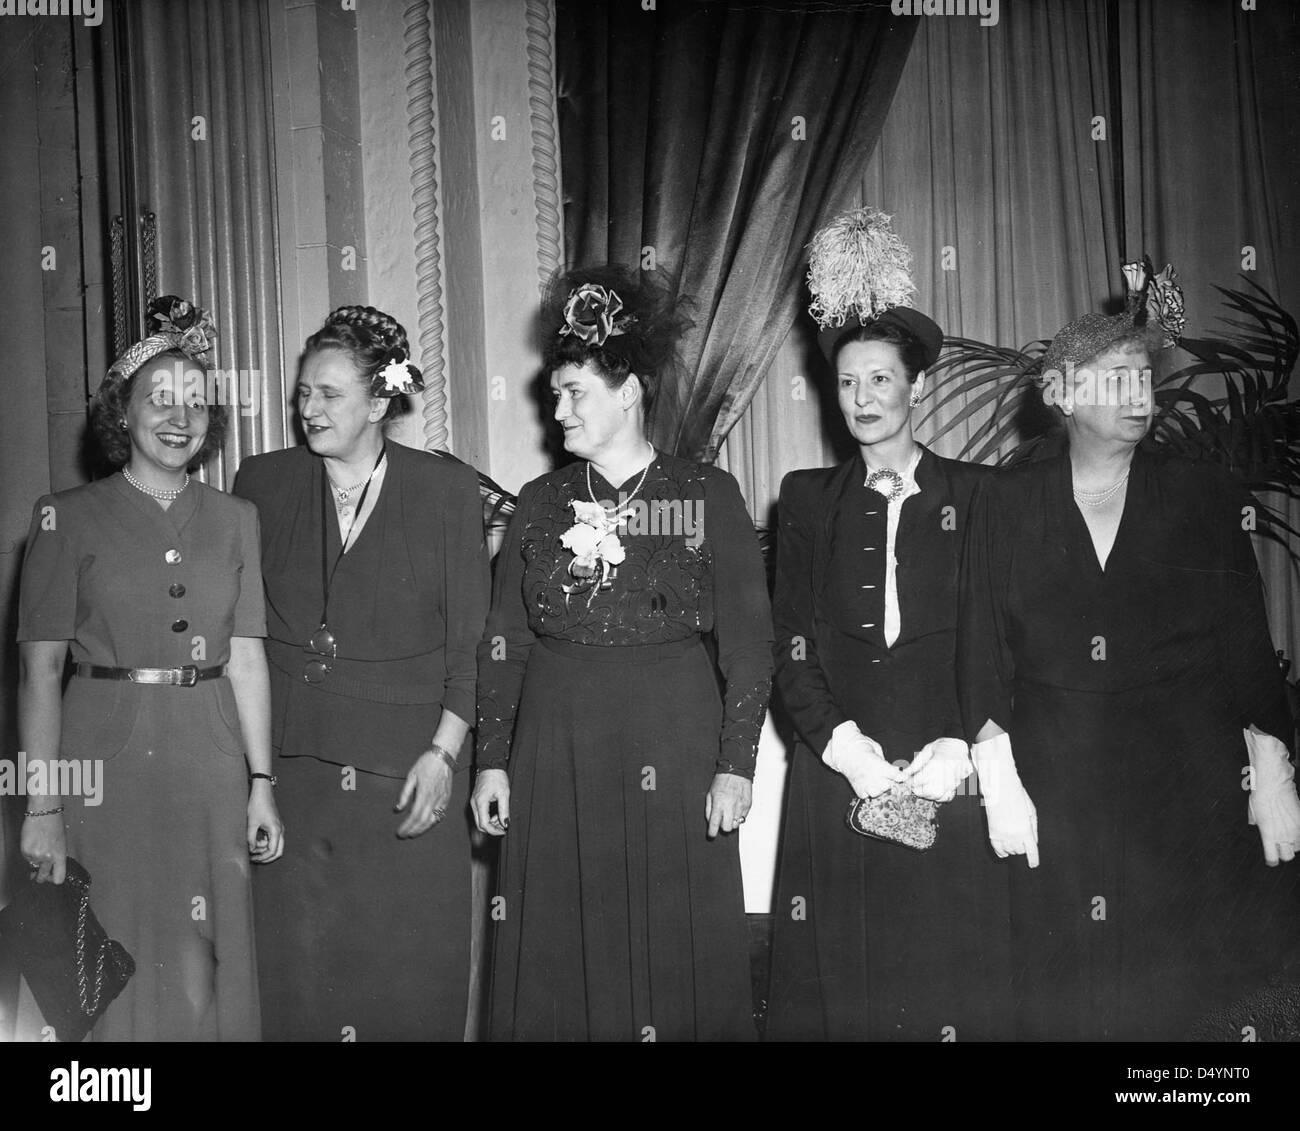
pixel 620 913
pixel 873 940
pixel 376 592
pixel 1113 648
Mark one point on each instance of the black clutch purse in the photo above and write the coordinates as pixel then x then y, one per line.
pixel 897 815
pixel 72 967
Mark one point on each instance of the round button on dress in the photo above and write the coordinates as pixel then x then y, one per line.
pixel 180 625
pixel 173 557
pixel 177 590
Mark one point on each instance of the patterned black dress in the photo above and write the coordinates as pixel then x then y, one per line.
pixel 616 918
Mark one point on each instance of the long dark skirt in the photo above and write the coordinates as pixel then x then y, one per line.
pixel 874 941
pixel 617 918
pixel 1152 915
pixel 362 935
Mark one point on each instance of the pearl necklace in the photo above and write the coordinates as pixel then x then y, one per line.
pixel 341 493
pixel 1100 498
pixel 154 492
pixel 635 490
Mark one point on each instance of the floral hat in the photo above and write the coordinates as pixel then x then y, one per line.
pixel 1151 299
pixel 174 324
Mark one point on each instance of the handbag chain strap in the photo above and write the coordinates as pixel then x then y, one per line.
pixel 87 1007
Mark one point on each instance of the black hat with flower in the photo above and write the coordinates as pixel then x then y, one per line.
pixel 623 319
pixel 1153 301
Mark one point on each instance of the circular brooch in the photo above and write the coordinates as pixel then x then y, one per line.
pixel 886 482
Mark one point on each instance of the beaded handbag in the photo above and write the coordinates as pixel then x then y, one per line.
pixel 897 816
pixel 73 969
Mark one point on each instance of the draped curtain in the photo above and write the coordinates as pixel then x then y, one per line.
pixel 199 107
pixel 713 139
pixel 1018 219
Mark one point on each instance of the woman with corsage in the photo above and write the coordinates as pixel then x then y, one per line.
pixel 151 580
pixel 1131 720
pixel 608 758
pixel 377 588
pixel 901 935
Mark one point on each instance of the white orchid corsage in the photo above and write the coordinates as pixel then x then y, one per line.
pixel 594 543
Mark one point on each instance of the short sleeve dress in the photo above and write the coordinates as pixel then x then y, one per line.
pixel 160 823
pixel 617 917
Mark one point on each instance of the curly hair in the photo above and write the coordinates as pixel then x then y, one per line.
pixel 911 350
pixel 653 320
pixel 108 416
pixel 370 338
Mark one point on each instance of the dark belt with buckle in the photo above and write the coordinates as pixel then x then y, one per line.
pixel 187 676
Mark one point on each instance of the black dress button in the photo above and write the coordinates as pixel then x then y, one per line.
pixel 177 590
pixel 180 625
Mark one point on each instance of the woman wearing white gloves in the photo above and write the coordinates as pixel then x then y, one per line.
pixel 1113 648
pixel 874 940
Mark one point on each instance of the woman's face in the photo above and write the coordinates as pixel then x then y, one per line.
pixel 1111 396
pixel 167 414
pixel 593 415
pixel 874 391
pixel 335 404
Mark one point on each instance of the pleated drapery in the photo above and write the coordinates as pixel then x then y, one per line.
pixel 713 139
pixel 199 100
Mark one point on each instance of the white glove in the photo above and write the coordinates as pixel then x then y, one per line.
pixel 861 760
pixel 939 768
pixel 1273 807
pixel 1013 820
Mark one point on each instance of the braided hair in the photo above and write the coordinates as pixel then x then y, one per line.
pixel 372 339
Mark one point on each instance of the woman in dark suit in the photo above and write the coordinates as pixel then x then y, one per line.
pixel 1117 674
pixel 377 589
pixel 874 940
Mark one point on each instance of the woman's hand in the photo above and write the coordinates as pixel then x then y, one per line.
pixel 861 760
pixel 490 786
pixel 938 769
pixel 727 804
pixel 44 845
pixel 427 790
pixel 265 829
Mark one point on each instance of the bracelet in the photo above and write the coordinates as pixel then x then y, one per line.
pixel 445 754
pixel 265 777
pixel 44 812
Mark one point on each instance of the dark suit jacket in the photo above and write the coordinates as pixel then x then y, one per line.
pixel 832 662
pixel 407 604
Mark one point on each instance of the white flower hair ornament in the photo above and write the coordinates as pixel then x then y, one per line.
pixel 397 376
